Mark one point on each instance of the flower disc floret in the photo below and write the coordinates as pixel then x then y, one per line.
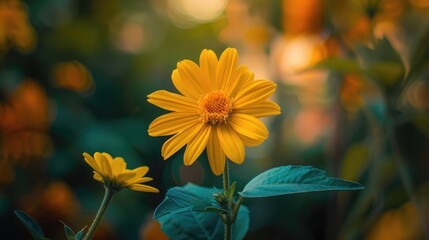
pixel 214 108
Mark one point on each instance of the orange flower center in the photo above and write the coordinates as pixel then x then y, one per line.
pixel 214 108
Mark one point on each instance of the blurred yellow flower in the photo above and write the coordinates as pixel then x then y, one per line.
pixel 217 109
pixel 114 174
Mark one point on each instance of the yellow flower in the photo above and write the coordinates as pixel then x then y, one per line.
pixel 217 110
pixel 114 174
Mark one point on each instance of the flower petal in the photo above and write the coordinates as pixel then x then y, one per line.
pixel 141 171
pixel 226 66
pixel 91 162
pixel 215 154
pixel 240 79
pixel 171 123
pixel 187 79
pixel 126 177
pixel 231 143
pixel 172 101
pixel 263 109
pixel 256 91
pixel 141 180
pixel 176 142
pixel 197 145
pixel 250 127
pixel 104 162
pixel 118 165
pixel 97 176
pixel 250 142
pixel 208 63
pixel 182 85
pixel 143 188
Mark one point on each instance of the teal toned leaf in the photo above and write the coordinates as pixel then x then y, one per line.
pixel 69 232
pixel 180 219
pixel 79 235
pixel 31 225
pixel 294 179
pixel 241 224
pixel 203 225
pixel 188 198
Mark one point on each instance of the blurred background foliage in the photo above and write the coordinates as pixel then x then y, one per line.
pixel 352 82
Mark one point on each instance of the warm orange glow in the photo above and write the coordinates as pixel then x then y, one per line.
pixel 397 224
pixel 418 95
pixel 302 16
pixel 292 54
pixel 74 76
pixel 188 13
pixel 420 3
pixel 15 30
pixel 131 37
pixel 152 230
pixel 351 92
pixel 57 198
pixel 23 124
pixel 309 124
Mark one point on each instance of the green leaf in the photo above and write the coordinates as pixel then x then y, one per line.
pixel 188 198
pixel 203 225
pixel 419 54
pixel 192 222
pixel 69 232
pixel 294 179
pixel 381 62
pixel 31 225
pixel 231 191
pixel 342 65
pixel 241 224
pixel 79 235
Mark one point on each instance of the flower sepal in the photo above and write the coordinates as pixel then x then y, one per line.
pixel 112 185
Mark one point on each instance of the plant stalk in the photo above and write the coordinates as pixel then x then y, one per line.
pixel 225 190
pixel 108 195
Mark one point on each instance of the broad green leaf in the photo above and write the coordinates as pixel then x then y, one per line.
pixel 188 198
pixel 196 224
pixel 31 225
pixel 241 224
pixel 203 225
pixel 79 235
pixel 381 62
pixel 381 51
pixel 294 179
pixel 342 65
pixel 69 232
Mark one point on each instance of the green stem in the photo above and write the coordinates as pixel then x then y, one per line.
pixel 106 200
pixel 225 190
pixel 236 208
pixel 226 178
pixel 402 168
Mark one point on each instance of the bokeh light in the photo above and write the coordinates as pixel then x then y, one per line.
pixel 75 75
pixel 189 13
